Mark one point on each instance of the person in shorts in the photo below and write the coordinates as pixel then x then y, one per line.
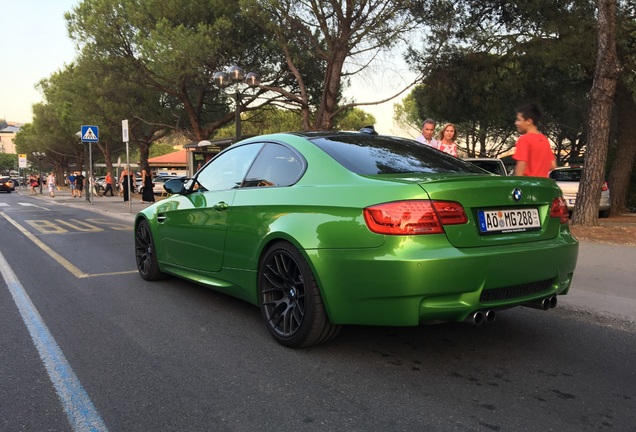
pixel 71 183
pixel 79 184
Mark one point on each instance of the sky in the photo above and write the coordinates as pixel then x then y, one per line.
pixel 36 44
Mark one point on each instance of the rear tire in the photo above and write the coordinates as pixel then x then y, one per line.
pixel 145 253
pixel 290 300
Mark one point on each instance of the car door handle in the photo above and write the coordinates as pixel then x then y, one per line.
pixel 220 206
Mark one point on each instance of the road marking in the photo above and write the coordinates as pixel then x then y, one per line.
pixel 78 224
pixel 33 205
pixel 81 413
pixel 46 226
pixel 4 204
pixel 57 257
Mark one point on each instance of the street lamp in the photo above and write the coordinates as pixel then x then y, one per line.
pixel 39 156
pixel 236 76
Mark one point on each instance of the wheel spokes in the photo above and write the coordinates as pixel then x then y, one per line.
pixel 283 293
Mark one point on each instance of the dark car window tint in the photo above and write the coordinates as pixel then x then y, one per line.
pixel 228 169
pixel 388 155
pixel 276 165
pixel 572 175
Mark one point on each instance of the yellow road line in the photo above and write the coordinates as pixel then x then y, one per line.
pixel 57 257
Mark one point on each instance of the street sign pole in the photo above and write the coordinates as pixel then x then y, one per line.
pixel 124 134
pixel 90 134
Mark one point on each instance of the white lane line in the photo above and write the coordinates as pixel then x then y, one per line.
pixel 4 204
pixel 79 409
pixel 24 204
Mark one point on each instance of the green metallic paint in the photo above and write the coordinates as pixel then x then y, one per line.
pixel 365 278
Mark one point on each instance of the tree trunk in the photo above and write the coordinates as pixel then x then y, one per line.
pixel 601 101
pixel 623 164
pixel 331 92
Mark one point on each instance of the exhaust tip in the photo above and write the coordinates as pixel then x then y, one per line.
pixel 476 318
pixel 553 301
pixel 490 316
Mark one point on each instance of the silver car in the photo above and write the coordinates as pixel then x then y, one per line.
pixel 568 179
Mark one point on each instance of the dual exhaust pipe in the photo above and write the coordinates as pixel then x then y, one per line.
pixel 477 318
pixel 543 304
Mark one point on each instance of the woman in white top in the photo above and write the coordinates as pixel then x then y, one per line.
pixel 446 139
pixel 51 183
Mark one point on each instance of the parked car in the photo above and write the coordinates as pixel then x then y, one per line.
pixel 568 179
pixel 160 181
pixel 493 165
pixel 321 229
pixel 6 185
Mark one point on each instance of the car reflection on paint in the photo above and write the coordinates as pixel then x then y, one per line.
pixel 325 229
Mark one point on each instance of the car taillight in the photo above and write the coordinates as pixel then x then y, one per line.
pixel 559 209
pixel 604 187
pixel 413 217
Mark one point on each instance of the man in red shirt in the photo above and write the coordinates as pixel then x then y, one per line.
pixel 533 154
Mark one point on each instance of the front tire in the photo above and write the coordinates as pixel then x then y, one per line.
pixel 290 300
pixel 145 253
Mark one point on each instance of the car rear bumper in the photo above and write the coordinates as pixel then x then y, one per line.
pixel 604 204
pixel 406 282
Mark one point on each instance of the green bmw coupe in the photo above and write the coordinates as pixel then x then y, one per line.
pixel 330 228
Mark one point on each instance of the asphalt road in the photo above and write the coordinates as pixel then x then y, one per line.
pixel 173 356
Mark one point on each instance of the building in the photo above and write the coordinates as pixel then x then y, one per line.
pixel 7 135
pixel 171 163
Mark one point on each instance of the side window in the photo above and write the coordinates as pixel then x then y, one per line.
pixel 228 170
pixel 276 165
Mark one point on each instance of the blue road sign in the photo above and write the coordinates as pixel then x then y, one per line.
pixel 90 133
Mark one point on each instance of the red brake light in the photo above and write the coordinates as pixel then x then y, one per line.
pixel 604 187
pixel 559 209
pixel 413 217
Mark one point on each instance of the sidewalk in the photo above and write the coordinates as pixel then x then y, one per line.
pixel 114 206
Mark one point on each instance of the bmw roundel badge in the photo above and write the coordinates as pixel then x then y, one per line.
pixel 516 194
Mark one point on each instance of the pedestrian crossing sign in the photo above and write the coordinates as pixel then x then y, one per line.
pixel 90 133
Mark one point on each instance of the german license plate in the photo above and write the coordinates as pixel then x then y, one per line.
pixel 507 221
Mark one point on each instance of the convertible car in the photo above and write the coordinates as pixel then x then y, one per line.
pixel 324 229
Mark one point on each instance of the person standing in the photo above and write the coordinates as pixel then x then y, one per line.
pixel 109 184
pixel 79 183
pixel 446 138
pixel 428 129
pixel 71 183
pixel 51 183
pixel 147 194
pixel 125 182
pixel 532 151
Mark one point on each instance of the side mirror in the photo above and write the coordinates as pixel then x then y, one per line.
pixel 174 186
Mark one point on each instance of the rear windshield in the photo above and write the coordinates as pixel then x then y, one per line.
pixel 370 155
pixel 571 175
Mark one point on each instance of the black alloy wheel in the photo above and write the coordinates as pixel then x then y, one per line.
pixel 290 299
pixel 145 253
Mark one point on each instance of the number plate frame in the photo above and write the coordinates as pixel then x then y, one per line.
pixel 508 221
